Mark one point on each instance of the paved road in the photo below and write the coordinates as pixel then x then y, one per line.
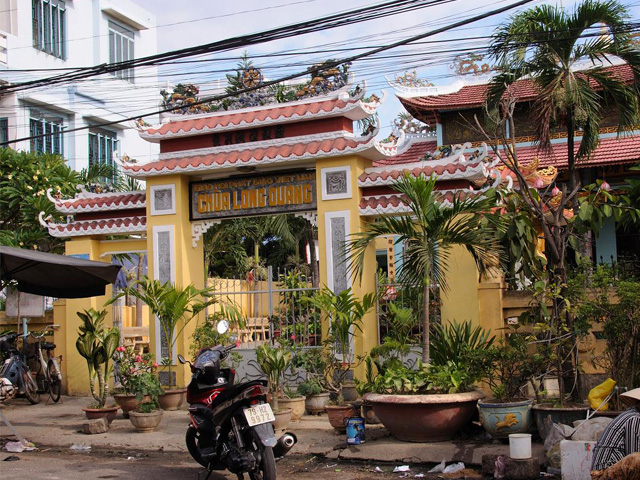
pixel 108 464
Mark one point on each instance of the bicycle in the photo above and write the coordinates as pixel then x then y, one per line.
pixel 48 374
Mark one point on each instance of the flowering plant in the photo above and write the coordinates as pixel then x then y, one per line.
pixel 130 367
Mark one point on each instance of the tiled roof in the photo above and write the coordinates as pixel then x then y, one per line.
pixel 416 151
pixel 610 151
pixel 283 152
pixel 94 202
pixel 470 96
pixel 343 105
pixel 396 203
pixel 112 226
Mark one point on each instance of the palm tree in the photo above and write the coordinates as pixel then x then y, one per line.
pixel 428 233
pixel 546 44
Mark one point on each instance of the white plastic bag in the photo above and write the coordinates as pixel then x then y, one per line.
pixel 439 468
pixel 454 468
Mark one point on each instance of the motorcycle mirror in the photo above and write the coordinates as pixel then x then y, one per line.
pixel 222 327
pixel 181 359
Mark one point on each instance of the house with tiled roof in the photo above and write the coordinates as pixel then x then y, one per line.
pixel 452 111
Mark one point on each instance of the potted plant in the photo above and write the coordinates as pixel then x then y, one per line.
pixel 432 402
pixel 274 362
pixel 174 307
pixel 147 416
pixel 313 363
pixel 97 344
pixel 128 365
pixel 509 368
pixel 294 400
pixel 316 398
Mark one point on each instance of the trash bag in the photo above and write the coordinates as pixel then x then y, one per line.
pixel 599 393
pixel 590 430
pixel 557 433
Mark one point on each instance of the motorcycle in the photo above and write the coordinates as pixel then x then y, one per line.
pixel 230 425
pixel 15 370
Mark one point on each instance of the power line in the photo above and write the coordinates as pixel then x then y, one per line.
pixel 308 71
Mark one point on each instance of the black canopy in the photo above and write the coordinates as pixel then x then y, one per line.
pixel 55 275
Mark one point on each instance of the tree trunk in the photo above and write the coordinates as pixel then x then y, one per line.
pixel 425 326
pixel 315 275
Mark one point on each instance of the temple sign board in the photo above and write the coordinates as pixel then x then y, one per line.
pixel 256 195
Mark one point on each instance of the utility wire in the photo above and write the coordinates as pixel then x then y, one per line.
pixel 308 71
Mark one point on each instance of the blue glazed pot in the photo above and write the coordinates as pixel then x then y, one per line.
pixel 502 419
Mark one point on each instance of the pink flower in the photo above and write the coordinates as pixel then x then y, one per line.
pixel 538 183
pixel 605 186
pixel 139 359
pixel 155 364
pixel 555 191
pixel 120 349
pixel 293 337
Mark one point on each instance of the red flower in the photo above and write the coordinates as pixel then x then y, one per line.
pixel 293 337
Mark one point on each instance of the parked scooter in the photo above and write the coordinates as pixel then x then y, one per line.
pixel 231 424
pixel 16 370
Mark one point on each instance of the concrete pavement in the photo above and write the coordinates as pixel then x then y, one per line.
pixel 58 425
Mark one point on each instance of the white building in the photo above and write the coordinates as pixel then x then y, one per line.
pixel 42 38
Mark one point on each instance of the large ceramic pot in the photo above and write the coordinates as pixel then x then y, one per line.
pixel 502 419
pixel 128 403
pixel 424 418
pixel 338 415
pixel 546 415
pixel 317 404
pixel 107 412
pixel 349 392
pixel 172 399
pixel 283 418
pixel 145 422
pixel 296 405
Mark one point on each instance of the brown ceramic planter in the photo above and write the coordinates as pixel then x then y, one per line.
pixel 317 404
pixel 172 399
pixel 349 392
pixel 338 415
pixel 107 412
pixel 295 404
pixel 283 418
pixel 128 403
pixel 424 418
pixel 546 415
pixel 145 422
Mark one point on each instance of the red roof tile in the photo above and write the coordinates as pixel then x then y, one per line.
pixel 416 169
pixel 108 201
pixel 474 95
pixel 397 201
pixel 219 120
pixel 610 151
pixel 99 227
pixel 262 154
pixel 415 152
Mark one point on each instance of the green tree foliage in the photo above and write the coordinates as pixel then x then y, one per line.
pixel 428 234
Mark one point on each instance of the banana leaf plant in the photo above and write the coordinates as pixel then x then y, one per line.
pixel 97 344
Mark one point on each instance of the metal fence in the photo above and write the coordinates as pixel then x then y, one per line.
pixel 273 305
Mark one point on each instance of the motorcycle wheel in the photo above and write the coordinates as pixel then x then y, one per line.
pixel 30 389
pixel 267 468
pixel 54 382
pixel 193 442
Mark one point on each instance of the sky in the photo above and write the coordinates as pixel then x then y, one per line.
pixel 188 23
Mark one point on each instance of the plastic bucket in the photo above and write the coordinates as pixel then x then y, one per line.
pixel 520 446
pixel 355 430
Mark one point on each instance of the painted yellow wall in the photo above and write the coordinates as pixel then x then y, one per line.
pixel 188 260
pixel 460 303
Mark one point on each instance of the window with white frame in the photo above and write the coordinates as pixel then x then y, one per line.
pixel 4 131
pixel 102 146
pixel 46 132
pixel 121 49
pixel 48 20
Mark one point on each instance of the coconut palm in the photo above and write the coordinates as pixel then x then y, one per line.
pixel 546 44
pixel 428 234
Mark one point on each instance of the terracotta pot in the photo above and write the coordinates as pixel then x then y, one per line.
pixel 295 404
pixel 107 412
pixel 502 419
pixel 338 415
pixel 172 399
pixel 369 414
pixel 145 422
pixel 546 414
pixel 283 418
pixel 349 392
pixel 316 404
pixel 424 418
pixel 128 403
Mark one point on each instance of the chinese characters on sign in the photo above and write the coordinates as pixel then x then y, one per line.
pixel 282 193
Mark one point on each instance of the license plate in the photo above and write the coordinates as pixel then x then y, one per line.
pixel 259 414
